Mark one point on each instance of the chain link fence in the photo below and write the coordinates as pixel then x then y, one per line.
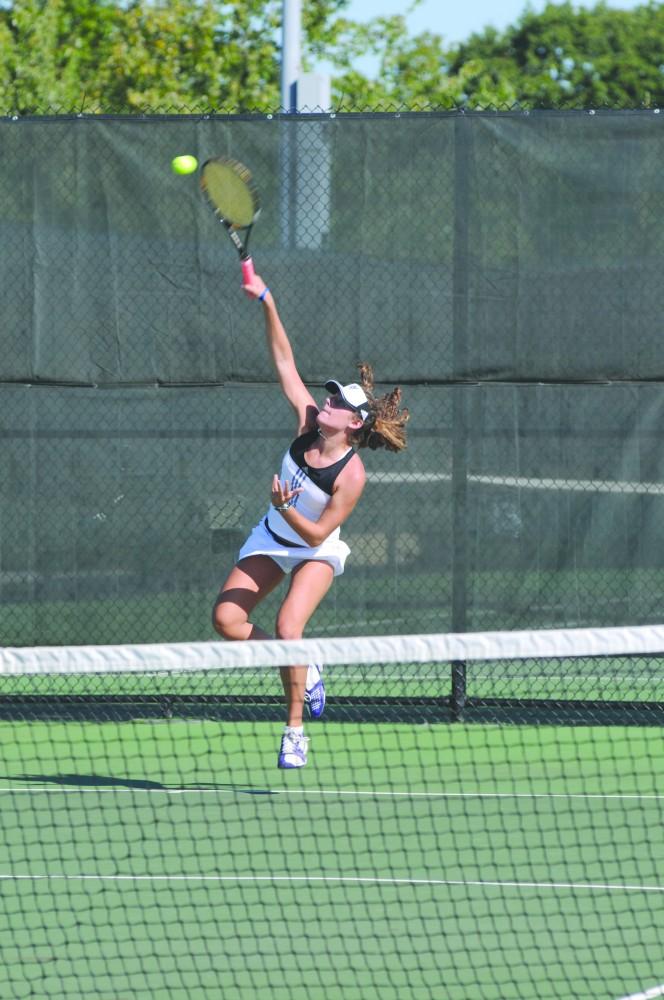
pixel 503 268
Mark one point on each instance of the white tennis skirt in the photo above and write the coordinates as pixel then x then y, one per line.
pixel 261 543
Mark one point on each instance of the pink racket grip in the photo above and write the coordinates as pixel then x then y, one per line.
pixel 248 273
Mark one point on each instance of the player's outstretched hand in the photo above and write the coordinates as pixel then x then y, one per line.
pixel 282 494
pixel 255 288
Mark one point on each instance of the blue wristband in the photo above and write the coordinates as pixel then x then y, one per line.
pixel 263 294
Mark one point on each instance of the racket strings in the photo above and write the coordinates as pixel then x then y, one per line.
pixel 229 187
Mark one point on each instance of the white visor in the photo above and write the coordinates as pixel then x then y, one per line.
pixel 353 395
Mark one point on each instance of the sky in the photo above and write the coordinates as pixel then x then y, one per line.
pixel 455 20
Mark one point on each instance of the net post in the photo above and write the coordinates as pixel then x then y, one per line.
pixel 458 689
pixel 459 421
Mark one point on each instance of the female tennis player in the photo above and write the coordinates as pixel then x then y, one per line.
pixel 321 480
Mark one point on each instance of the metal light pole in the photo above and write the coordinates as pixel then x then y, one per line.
pixel 291 27
pixel 305 159
pixel 291 54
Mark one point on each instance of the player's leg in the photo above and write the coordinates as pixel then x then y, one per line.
pixel 247 584
pixel 310 581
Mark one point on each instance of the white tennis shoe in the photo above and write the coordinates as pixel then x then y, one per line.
pixel 314 693
pixel 293 751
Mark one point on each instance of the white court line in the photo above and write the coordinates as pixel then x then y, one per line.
pixel 475 795
pixel 523 482
pixel 336 879
pixel 357 793
pixel 655 991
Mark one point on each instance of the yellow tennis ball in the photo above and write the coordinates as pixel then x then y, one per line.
pixel 184 164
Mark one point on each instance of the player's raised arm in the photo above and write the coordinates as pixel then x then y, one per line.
pixel 282 356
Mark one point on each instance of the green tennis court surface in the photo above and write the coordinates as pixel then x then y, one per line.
pixel 172 859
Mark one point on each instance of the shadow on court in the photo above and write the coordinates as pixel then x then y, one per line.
pixel 141 784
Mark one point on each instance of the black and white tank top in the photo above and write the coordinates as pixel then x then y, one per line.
pixel 317 487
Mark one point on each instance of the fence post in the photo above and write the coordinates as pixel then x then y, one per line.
pixel 459 422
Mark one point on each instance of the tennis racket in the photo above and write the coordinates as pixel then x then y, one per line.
pixel 231 193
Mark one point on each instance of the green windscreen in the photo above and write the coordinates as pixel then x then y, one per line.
pixel 504 269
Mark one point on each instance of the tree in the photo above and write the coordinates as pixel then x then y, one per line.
pixel 71 54
pixel 48 49
pixel 159 55
pixel 205 55
pixel 415 72
pixel 562 57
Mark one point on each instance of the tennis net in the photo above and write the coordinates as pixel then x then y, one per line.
pixel 481 816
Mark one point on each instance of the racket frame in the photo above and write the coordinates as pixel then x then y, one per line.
pixel 240 245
